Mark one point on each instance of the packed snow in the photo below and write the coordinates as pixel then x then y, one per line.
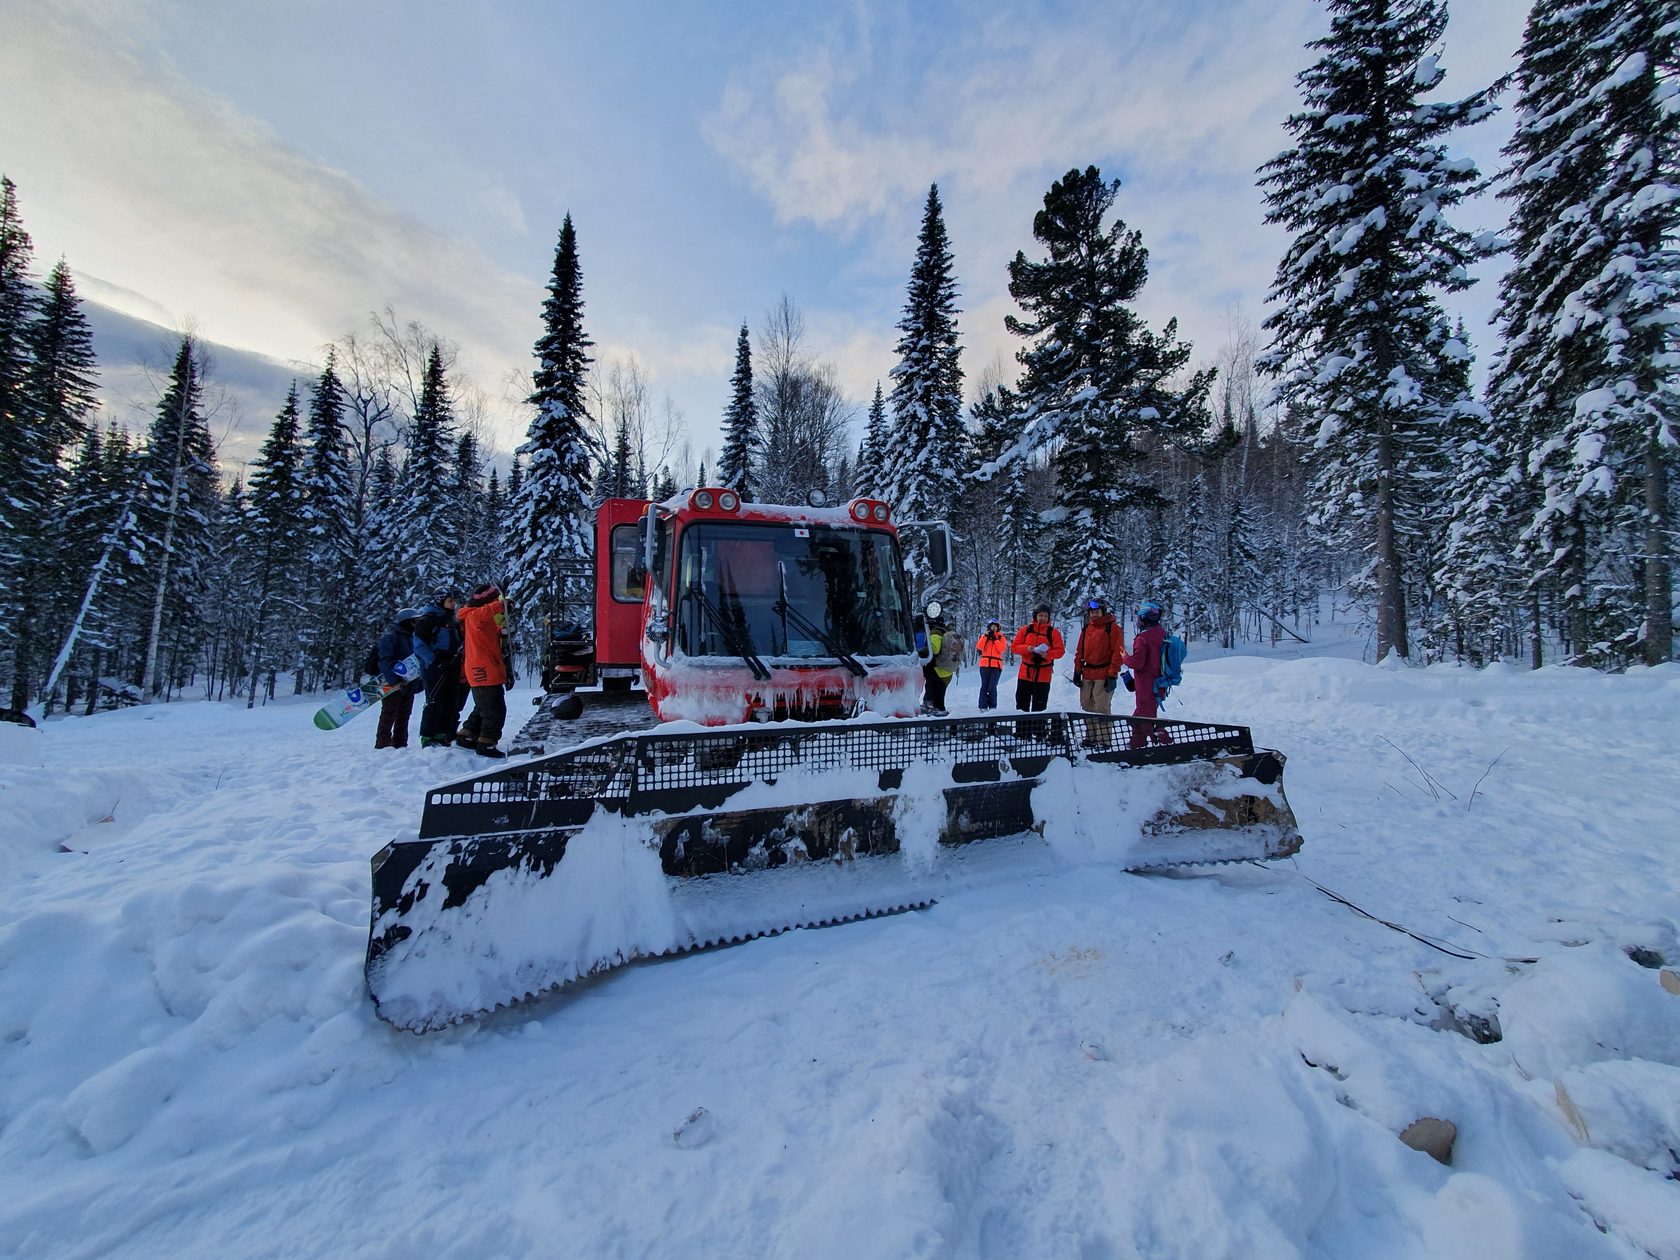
pixel 1073 1062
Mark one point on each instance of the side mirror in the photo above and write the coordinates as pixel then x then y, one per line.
pixel 939 549
pixel 650 539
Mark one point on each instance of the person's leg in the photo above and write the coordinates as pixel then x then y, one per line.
pixel 1145 708
pixel 1023 694
pixel 989 688
pixel 1040 697
pixel 1102 699
pixel 387 713
pixel 489 714
pixel 1087 694
pixel 404 701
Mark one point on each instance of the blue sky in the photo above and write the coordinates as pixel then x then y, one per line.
pixel 275 171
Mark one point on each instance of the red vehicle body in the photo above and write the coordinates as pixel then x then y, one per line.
pixel 734 611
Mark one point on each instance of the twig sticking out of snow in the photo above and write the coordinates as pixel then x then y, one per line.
pixel 1436 787
pixel 1485 774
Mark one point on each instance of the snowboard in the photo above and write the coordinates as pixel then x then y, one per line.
pixel 369 693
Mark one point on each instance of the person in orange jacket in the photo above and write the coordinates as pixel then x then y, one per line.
pixel 483 621
pixel 1038 645
pixel 1098 656
pixel 990 648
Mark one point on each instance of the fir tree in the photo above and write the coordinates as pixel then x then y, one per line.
pixel 550 514
pixel 740 423
pixel 922 459
pixel 1095 377
pixel 1358 329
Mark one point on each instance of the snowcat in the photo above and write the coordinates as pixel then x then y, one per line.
pixel 788 781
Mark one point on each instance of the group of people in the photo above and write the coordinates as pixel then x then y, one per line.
pixel 1101 662
pixel 462 648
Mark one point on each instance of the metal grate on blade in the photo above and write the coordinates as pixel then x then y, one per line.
pixel 652 772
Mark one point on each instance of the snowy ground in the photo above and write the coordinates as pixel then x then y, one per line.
pixel 1081 1064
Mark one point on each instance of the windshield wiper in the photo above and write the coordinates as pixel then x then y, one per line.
pixel 787 612
pixel 760 670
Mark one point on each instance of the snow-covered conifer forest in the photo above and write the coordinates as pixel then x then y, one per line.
pixel 1335 456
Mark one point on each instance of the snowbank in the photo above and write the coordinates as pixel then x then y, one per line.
pixel 1065 1060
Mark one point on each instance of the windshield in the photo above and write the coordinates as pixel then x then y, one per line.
pixel 840 584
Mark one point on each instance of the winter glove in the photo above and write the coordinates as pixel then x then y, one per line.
pixel 1109 684
pixel 1078 678
pixel 1126 677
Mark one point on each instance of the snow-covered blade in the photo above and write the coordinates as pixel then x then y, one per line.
pixel 528 878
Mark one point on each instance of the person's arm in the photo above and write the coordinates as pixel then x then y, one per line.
pixel 1057 647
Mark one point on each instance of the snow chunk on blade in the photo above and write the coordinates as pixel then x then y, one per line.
pixel 534 876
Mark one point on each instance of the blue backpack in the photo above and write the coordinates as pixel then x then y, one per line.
pixel 1173 652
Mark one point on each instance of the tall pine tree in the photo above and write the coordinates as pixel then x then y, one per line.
pixel 274 540
pixel 1585 383
pixel 925 450
pixel 1096 377
pixel 550 514
pixel 1358 330
pixel 740 423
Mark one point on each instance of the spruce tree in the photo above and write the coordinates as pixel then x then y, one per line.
pixel 1586 384
pixel 17 311
pixel 870 473
pixel 740 423
pixel 1096 378
pixel 274 539
pixel 1357 328
pixel 59 396
pixel 428 543
pixel 333 507
pixel 175 509
pixel 925 450
pixel 551 514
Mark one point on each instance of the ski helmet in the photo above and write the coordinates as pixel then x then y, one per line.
pixel 407 615
pixel 1149 612
pixel 441 593
pixel 1042 608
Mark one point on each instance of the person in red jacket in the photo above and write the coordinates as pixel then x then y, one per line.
pixel 1097 657
pixel 1144 661
pixel 1038 645
pixel 483 618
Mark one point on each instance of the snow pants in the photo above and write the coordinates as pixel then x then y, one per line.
pixel 489 715
pixel 1096 695
pixel 933 695
pixel 989 675
pixel 1031 697
pixel 394 711
pixel 444 698
pixel 1147 707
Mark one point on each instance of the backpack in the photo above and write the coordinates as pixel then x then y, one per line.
pixel 1173 652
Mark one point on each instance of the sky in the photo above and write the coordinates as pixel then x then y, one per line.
pixel 271 172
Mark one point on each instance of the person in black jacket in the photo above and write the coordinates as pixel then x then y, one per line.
pixel 437 642
pixel 396 644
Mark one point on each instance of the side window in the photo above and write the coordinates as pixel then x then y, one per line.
pixel 629 580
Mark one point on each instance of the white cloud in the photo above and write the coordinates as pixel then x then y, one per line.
pixel 165 191
pixel 1182 102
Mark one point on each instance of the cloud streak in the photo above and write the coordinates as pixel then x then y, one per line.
pixel 168 193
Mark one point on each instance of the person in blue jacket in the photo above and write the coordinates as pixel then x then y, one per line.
pixel 437 642
pixel 396 644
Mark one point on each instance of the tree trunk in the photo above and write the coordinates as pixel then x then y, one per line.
pixel 148 675
pixel 1391 596
pixel 1659 579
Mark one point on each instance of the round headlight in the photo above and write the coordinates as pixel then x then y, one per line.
pixel 860 511
pixel 728 502
pixel 702 498
pixel 817 499
pixel 880 511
